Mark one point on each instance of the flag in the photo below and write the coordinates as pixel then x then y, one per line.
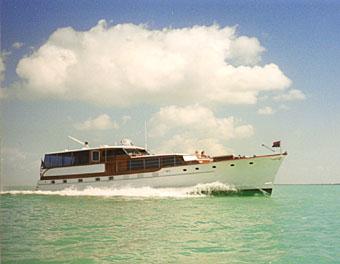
pixel 276 144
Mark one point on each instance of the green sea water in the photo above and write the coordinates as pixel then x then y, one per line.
pixel 297 224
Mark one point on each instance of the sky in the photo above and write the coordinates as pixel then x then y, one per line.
pixel 219 76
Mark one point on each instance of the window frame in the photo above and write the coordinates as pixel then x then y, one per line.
pixel 95 160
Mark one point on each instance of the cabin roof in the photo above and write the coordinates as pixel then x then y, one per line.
pixel 95 148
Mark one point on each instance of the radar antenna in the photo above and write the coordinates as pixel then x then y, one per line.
pixel 126 142
pixel 85 144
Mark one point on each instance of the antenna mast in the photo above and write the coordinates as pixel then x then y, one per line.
pixel 263 145
pixel 84 144
pixel 145 136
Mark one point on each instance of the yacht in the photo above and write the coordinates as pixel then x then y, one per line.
pixel 126 165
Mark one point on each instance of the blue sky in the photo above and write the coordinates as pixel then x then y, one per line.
pixel 300 37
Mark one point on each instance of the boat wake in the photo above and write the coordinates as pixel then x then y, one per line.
pixel 215 188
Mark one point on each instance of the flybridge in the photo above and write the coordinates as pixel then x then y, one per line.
pixel 96 148
pixel 88 156
pixel 124 144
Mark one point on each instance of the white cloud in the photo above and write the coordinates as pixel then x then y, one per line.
pixel 190 144
pixel 101 122
pixel 291 95
pixel 193 128
pixel 17 45
pixel 267 110
pixel 246 51
pixel 129 64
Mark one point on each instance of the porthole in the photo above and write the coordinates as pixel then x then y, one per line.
pixel 251 163
pixel 184 169
pixel 97 179
pixel 111 178
pixel 80 180
pixel 53 182
pixel 214 167
pixel 64 181
pixel 197 168
pixel 232 165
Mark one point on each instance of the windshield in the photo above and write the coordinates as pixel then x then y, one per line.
pixel 136 152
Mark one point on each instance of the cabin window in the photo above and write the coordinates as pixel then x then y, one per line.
pixel 95 155
pixel 111 178
pixel 80 180
pixel 64 181
pixel 66 159
pixel 53 160
pixel 168 161
pixel 58 160
pixel 179 160
pixel 81 157
pixel 136 164
pixel 152 163
pixel 109 153
pixel 97 179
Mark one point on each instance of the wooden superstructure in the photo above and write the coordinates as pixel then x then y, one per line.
pixel 117 160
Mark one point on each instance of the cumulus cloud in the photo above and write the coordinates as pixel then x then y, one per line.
pixel 291 95
pixel 267 110
pixel 128 64
pixel 101 122
pixel 245 51
pixel 17 45
pixel 187 144
pixel 195 127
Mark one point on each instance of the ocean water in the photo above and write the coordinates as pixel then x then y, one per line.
pixel 297 224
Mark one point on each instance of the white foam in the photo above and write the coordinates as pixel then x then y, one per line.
pixel 210 188
pixel 194 191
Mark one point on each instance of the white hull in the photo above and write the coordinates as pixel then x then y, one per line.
pixel 246 174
